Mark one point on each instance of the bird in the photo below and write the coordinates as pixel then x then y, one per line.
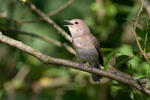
pixel 86 45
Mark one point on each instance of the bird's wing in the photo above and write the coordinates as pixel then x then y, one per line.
pixel 97 46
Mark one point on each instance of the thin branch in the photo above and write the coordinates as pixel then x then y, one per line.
pixel 50 13
pixel 134 33
pixel 44 38
pixel 9 19
pixel 51 60
pixel 61 8
pixel 19 78
pixel 47 19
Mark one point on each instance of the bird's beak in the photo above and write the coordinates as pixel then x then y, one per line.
pixel 68 22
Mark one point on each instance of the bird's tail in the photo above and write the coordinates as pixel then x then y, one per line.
pixel 96 77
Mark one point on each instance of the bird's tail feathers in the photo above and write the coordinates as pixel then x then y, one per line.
pixel 96 77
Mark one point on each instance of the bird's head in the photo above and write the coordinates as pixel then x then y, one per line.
pixel 77 27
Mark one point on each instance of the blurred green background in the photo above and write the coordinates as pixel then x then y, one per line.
pixel 23 77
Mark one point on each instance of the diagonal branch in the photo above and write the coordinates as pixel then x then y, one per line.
pixel 51 60
pixel 50 13
pixel 61 8
pixel 47 19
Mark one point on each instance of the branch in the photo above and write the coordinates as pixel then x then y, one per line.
pixel 61 8
pixel 9 19
pixel 47 19
pixel 10 86
pixel 44 38
pixel 51 60
pixel 50 13
pixel 134 33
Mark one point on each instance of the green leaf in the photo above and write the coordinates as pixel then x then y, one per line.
pixel 107 60
pixel 140 32
pixel 125 50
pixel 136 53
pixel 95 7
pixel 122 60
pixel 107 49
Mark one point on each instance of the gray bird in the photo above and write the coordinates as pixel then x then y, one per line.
pixel 86 45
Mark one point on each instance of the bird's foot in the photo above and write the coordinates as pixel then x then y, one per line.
pixel 91 66
pixel 82 63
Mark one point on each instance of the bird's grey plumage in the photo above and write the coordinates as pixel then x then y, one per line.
pixel 97 46
pixel 85 44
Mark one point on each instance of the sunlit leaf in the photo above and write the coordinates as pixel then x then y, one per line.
pixel 107 60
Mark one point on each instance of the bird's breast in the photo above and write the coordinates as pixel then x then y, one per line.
pixel 85 49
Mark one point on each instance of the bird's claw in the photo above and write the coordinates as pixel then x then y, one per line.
pixel 82 64
pixel 91 67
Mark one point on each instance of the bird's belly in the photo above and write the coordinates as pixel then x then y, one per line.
pixel 87 54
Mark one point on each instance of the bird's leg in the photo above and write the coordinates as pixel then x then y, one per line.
pixel 82 63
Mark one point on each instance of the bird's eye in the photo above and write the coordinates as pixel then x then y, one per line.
pixel 76 22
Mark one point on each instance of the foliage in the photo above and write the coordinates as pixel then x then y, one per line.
pixel 25 77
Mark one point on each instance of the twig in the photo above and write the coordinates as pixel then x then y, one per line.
pixel 51 60
pixel 134 33
pixel 9 19
pixel 21 74
pixel 47 19
pixel 10 86
pixel 50 13
pixel 61 8
pixel 44 38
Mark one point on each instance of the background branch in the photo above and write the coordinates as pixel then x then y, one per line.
pixel 62 8
pixel 51 60
pixel 134 33
pixel 44 38
pixel 48 20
